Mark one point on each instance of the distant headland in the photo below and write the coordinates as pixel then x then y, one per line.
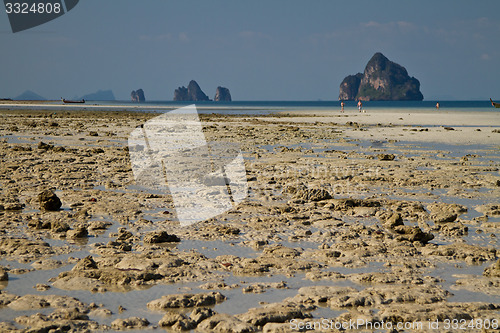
pixel 193 93
pixel 382 80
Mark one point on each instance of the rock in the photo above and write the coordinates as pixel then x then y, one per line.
pixel 413 234
pixel 58 226
pixel 101 312
pixel 444 217
pixel 44 146
pixel 49 201
pixel 489 209
pixel 129 323
pixel 42 287
pixel 186 300
pixel 382 80
pixel 4 276
pixel 493 270
pixel 312 194
pixel 78 232
pixel 192 93
pixel 33 302
pixel 200 314
pixel 85 264
pixel 349 87
pixel 393 221
pixel 44 264
pixel 225 323
pixel 160 237
pixel 138 95
pixel 274 313
pixel 177 322
pixel 24 249
pixel 444 213
pixel 6 298
pixel 222 95
pixel 386 157
pixel 280 328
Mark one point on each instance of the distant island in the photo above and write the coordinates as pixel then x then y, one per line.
pixel 29 95
pixel 222 95
pixel 100 95
pixel 138 95
pixel 382 80
pixel 193 93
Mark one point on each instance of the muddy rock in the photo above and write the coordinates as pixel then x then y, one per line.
pixel 261 287
pixel 49 201
pixel 44 264
pixel 281 251
pixel 42 287
pixel 489 209
pixel 85 263
pixel 4 276
pixel 61 320
pixel 6 298
pixel 493 270
pixel 316 276
pixel 311 194
pixel 393 221
pixel 160 237
pixel 275 313
pixel 9 327
pixel 32 302
pixel 443 212
pixel 437 311
pixel 24 249
pixel 386 157
pixel 376 296
pixel 186 300
pixel 78 232
pixel 200 314
pixel 224 323
pixel 413 234
pixel 321 294
pixel 129 323
pixel 482 284
pixel 472 254
pixel 177 322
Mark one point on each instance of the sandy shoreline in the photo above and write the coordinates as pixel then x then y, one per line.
pixel 346 219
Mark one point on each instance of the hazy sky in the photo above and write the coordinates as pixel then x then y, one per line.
pixel 260 50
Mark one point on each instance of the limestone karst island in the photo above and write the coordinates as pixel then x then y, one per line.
pixel 382 80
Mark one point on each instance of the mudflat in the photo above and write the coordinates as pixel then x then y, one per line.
pixel 368 218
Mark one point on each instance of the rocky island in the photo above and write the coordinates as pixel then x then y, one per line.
pixel 193 93
pixel 138 95
pixel 222 95
pixel 382 80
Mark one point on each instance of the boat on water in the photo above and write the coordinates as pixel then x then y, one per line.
pixel 67 101
pixel 497 105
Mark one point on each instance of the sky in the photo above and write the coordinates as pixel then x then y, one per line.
pixel 260 50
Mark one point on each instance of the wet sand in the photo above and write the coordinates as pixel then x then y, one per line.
pixel 349 217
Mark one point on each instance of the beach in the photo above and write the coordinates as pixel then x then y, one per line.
pixel 377 217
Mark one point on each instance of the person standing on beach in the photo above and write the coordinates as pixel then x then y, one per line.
pixel 342 106
pixel 360 105
pixel 437 105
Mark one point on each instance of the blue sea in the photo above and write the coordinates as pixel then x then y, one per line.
pixel 267 107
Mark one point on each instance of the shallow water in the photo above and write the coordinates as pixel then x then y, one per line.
pixel 135 300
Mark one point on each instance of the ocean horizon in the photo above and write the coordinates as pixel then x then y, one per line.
pixel 266 107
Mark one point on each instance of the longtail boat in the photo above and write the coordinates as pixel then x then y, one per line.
pixel 66 101
pixel 497 105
